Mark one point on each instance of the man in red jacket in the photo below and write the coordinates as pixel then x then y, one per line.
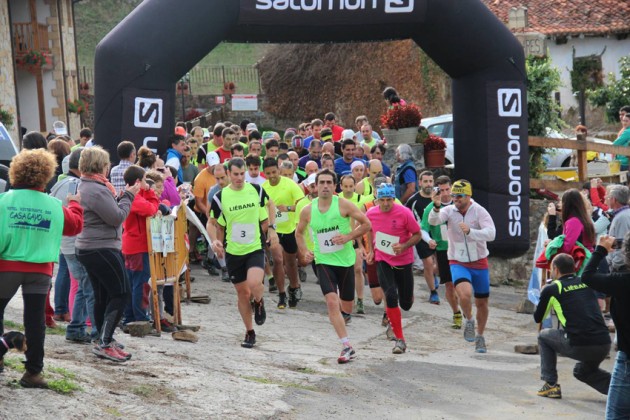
pixel 135 248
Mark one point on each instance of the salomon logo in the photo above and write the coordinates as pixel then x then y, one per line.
pixel 391 6
pixel 509 102
pixel 148 113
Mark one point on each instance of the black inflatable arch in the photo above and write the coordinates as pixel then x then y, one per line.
pixel 139 61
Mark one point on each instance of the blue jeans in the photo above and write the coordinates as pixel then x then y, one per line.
pixel 62 287
pixel 137 279
pixel 618 404
pixel 83 300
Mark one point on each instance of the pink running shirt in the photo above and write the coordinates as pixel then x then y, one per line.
pixel 386 227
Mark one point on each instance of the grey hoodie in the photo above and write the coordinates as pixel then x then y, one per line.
pixel 102 216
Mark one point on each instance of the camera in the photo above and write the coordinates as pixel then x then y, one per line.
pixel 436 190
pixel 72 188
pixel 618 242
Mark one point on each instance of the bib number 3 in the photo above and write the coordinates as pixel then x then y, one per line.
pixel 243 233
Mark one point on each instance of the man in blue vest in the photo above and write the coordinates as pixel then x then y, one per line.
pixel 406 180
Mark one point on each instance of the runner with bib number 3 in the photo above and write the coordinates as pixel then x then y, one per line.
pixel 394 232
pixel 241 215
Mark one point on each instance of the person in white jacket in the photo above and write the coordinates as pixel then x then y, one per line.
pixel 470 227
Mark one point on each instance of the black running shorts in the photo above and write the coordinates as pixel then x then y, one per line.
pixel 333 278
pixel 238 265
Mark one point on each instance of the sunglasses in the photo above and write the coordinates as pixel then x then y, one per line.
pixel 458 195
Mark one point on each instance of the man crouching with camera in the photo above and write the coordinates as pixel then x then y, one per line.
pixel 581 335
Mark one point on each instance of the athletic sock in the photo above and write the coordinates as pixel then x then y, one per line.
pixel 345 341
pixel 395 320
pixel 222 262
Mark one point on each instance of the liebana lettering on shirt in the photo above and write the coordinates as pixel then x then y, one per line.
pixel 327 229
pixel 238 207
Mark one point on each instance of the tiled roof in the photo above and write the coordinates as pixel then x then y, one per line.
pixel 568 17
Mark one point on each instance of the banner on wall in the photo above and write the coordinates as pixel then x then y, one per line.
pixel 244 102
pixel 331 12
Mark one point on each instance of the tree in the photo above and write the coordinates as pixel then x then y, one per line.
pixel 543 110
pixel 616 94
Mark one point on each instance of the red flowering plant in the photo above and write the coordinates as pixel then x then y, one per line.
pixel 433 142
pixel 400 116
pixel 34 60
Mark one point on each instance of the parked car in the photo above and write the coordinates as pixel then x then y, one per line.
pixel 7 147
pixel 554 158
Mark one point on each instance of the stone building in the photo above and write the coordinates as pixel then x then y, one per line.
pixel 38 64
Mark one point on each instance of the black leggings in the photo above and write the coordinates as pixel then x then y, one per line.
pixel 34 328
pixel 108 276
pixel 397 284
pixel 333 279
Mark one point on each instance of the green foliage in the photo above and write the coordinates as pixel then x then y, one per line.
pixel 64 386
pixel 6 117
pixel 586 73
pixel 616 93
pixel 543 110
pixel 13 325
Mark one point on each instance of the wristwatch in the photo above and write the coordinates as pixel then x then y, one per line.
pixel 288 208
pixel 272 226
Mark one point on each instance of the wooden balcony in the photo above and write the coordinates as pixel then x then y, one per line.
pixel 27 37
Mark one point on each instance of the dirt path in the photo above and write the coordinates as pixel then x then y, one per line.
pixel 292 373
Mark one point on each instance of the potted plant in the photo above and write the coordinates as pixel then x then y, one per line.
pixel 84 88
pixel 434 151
pixel 77 106
pixel 34 61
pixel 400 124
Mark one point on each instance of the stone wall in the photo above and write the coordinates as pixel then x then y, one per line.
pixel 8 97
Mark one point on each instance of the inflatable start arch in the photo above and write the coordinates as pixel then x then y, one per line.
pixel 139 61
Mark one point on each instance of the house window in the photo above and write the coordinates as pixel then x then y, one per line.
pixel 587 73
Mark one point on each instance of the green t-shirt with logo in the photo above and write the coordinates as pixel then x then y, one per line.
pixel 325 226
pixel 286 193
pixel 241 213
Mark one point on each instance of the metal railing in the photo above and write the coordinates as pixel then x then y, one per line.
pixel 205 80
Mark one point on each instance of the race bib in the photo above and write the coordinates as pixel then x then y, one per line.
pixel 326 245
pixel 385 242
pixel 443 232
pixel 464 253
pixel 243 233
pixel 282 216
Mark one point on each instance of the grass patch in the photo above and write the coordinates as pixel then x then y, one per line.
pixel 113 411
pixel 58 330
pixel 143 390
pixel 14 363
pixel 280 383
pixel 63 372
pixel 13 326
pixel 64 386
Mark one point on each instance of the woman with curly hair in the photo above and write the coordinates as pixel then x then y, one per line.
pixel 146 158
pixel 98 248
pixel 30 218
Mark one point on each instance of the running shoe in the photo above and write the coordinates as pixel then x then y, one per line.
pixel 389 333
pixel 260 315
pixel 298 293
pixel 282 301
pixel 293 299
pixel 109 352
pixel 360 307
pixel 457 321
pixel 123 353
pixel 400 347
pixel 480 344
pixel 224 275
pixel 550 391
pixel 79 339
pixel 347 354
pixel 385 321
pixel 117 344
pixel 469 330
pixel 250 340
pixel 212 270
pixel 272 285
pixel 434 298
pixel 302 274
pixel 166 326
pixel 347 318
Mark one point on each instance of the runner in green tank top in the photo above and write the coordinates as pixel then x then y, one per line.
pixel 240 212
pixel 348 183
pixel 329 218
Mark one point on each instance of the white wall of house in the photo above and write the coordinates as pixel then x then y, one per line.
pixel 562 58
pixel 27 96
pixel 49 101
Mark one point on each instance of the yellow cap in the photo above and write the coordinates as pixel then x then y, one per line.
pixel 462 186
